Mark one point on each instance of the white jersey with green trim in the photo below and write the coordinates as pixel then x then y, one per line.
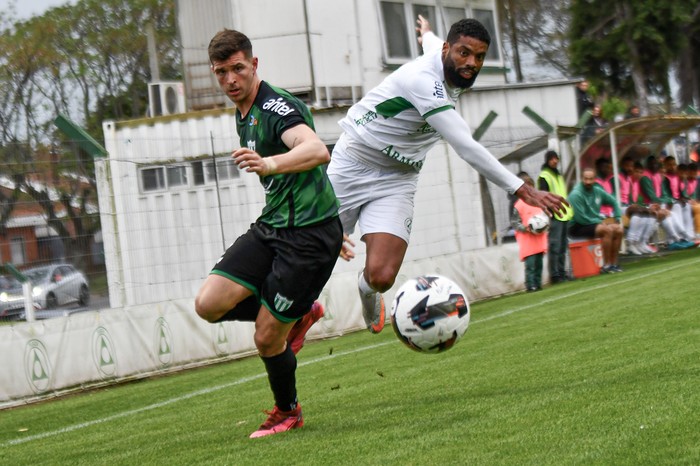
pixel 391 117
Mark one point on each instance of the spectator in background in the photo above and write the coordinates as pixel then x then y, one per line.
pixel 551 180
pixel 642 221
pixel 604 177
pixel 532 245
pixel 584 101
pixel 595 125
pixel 680 205
pixel 586 199
pixel 656 198
pixel 691 188
pixel 632 112
pixel 695 154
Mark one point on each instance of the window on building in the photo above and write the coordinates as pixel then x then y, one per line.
pixel 486 18
pixel 399 27
pixel 226 169
pixel 198 173
pixel 153 179
pixel 17 250
pixel 177 176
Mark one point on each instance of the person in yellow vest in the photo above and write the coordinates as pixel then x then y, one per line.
pixel 551 180
pixel 532 245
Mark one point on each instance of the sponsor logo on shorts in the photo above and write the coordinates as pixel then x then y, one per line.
pixel 282 304
pixel 278 106
pixel 396 155
pixel 408 223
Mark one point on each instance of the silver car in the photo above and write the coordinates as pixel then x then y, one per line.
pixel 57 285
pixel 11 297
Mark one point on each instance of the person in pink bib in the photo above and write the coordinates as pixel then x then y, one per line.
pixel 532 245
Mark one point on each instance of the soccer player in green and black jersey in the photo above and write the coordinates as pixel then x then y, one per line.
pixel 274 273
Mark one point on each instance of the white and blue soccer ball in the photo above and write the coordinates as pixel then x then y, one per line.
pixel 539 223
pixel 430 313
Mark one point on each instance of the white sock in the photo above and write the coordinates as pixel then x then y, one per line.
pixel 669 228
pixel 650 226
pixel 363 285
pixel 634 231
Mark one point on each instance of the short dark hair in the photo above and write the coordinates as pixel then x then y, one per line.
pixel 468 27
pixel 600 161
pixel 227 42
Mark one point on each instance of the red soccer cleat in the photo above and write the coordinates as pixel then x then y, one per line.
pixel 280 421
pixel 297 334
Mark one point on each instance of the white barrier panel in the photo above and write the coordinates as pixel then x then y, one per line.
pixel 47 358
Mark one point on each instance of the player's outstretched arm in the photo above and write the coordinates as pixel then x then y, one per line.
pixel 457 133
pixel 306 152
pixel 427 39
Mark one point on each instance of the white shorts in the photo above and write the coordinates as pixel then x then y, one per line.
pixel 378 198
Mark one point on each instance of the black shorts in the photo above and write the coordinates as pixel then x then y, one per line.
pixel 285 268
pixel 582 231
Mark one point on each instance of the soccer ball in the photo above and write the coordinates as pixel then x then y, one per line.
pixel 539 223
pixel 430 313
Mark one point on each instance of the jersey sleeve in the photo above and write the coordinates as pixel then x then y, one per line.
pixel 431 42
pixel 457 134
pixel 427 94
pixel 283 123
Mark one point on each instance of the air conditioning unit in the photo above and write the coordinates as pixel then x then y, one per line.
pixel 166 98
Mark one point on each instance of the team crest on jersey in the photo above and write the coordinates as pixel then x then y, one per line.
pixel 253 121
pixel 438 90
pixel 278 106
pixel 251 144
pixel 425 128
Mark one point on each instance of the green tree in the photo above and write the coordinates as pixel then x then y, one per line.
pixel 89 62
pixel 688 69
pixel 628 46
pixel 539 27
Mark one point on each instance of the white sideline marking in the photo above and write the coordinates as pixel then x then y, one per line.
pixel 206 391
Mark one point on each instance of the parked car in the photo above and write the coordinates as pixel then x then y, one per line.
pixel 58 284
pixel 11 297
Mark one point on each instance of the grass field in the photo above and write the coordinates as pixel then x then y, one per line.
pixel 601 371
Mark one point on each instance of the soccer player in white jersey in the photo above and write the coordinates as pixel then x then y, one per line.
pixel 375 163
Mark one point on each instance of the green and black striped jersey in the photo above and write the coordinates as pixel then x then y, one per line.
pixel 291 199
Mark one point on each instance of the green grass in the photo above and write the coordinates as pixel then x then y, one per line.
pixel 601 371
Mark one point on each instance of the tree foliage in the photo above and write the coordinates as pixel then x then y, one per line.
pixel 628 46
pixel 539 28
pixel 89 62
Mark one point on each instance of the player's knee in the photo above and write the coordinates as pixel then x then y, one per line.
pixel 266 343
pixel 204 309
pixel 381 280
